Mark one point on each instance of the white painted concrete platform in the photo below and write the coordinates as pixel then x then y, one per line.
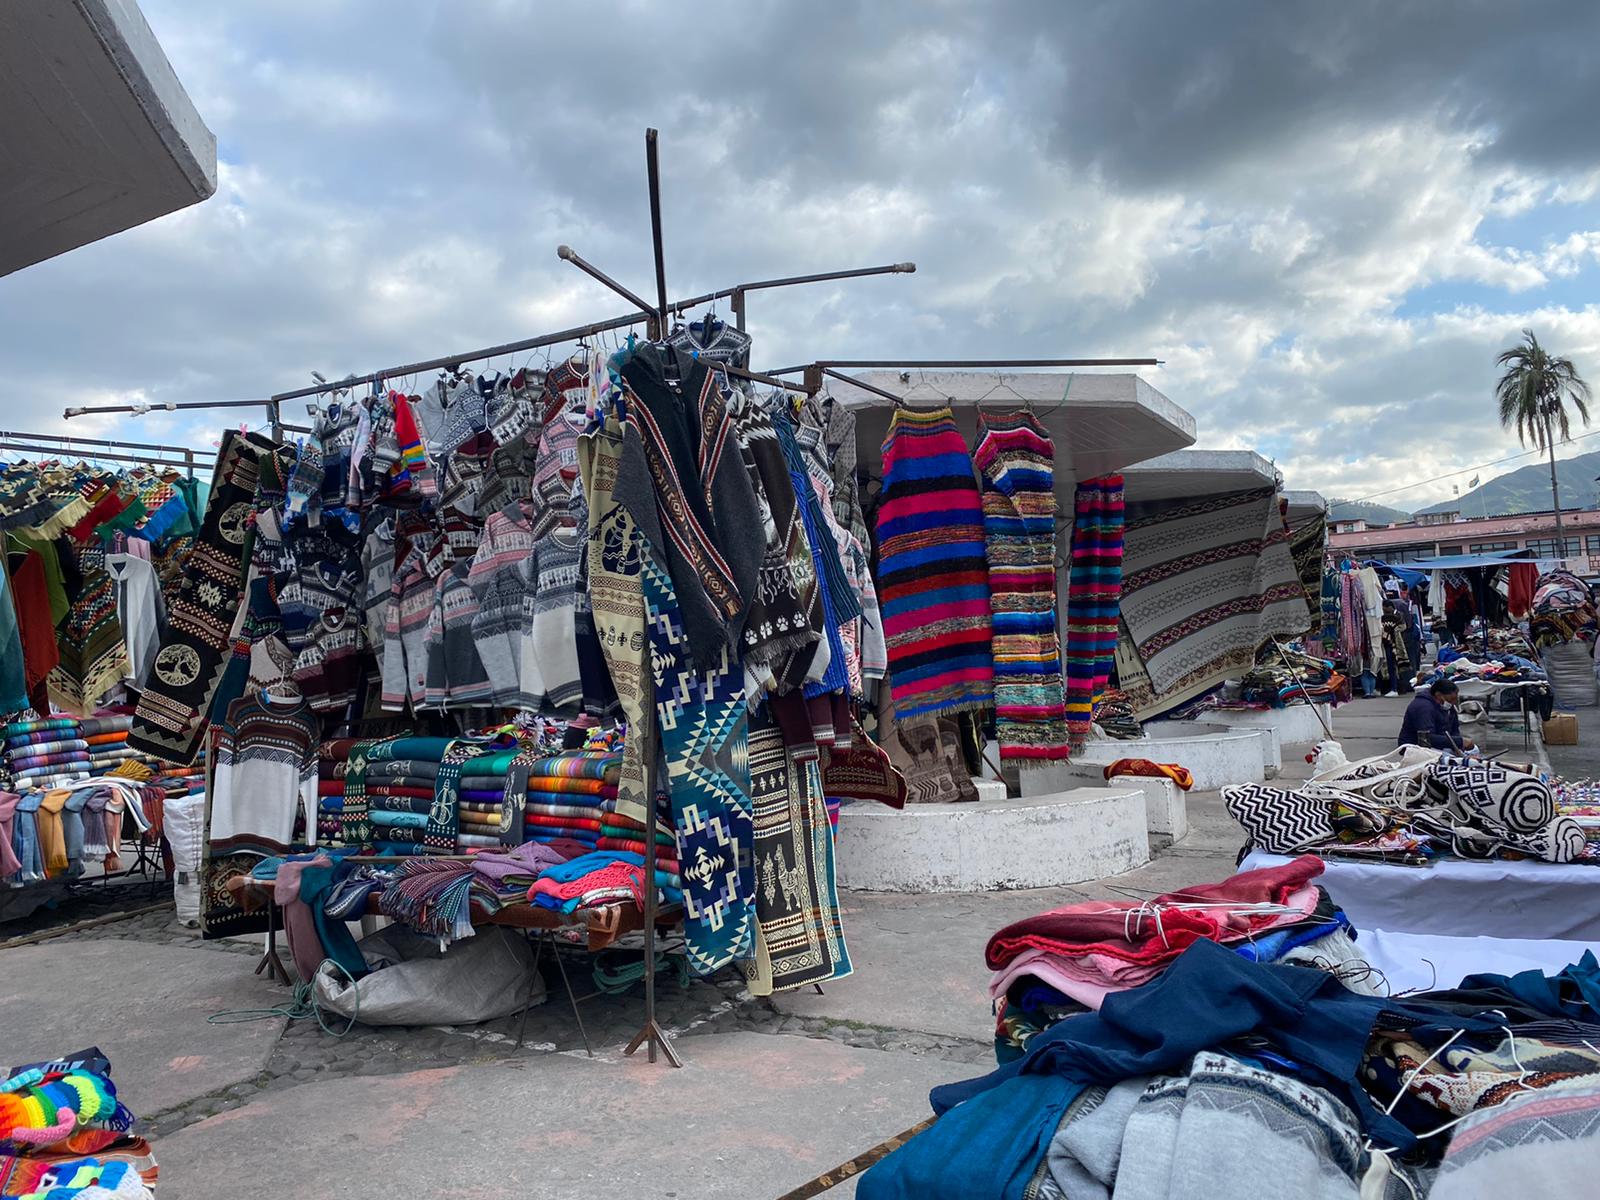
pixel 1214 754
pixel 1296 725
pixel 1041 841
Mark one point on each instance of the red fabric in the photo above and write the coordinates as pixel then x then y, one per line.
pixel 330 787
pixel 1144 767
pixel 31 597
pixel 1105 927
pixel 1519 589
pixel 103 509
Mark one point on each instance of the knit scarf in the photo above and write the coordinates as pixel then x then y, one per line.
pixel 614 552
pixel 1015 459
pixel 1092 599
pixel 933 583
pixel 194 650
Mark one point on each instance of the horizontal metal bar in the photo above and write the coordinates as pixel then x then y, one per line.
pixel 941 363
pixel 865 387
pixel 58 453
pixel 18 435
pixel 758 377
pixel 168 407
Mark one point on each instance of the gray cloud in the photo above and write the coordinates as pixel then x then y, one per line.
pixel 1249 192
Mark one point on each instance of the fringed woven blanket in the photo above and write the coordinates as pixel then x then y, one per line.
pixel 94 657
pixel 1206 582
pixel 1016 462
pixel 1093 593
pixel 170 719
pixel 797 901
pixel 933 577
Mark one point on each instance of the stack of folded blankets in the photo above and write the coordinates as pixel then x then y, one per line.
pixel 106 736
pixel 46 752
pixel 595 880
pixel 333 760
pixel 483 794
pixel 569 794
pixel 399 792
pixel 1070 959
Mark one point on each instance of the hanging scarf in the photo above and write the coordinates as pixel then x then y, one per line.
pixel 194 649
pixel 1092 599
pixel 618 603
pixel 932 575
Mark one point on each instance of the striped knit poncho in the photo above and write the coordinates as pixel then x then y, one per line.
pixel 1016 460
pixel 933 578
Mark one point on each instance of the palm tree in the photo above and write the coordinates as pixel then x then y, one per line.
pixel 1532 395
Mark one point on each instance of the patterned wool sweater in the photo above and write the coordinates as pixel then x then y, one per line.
pixel 266 767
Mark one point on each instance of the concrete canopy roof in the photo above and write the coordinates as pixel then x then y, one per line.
pixel 96 133
pixel 1305 504
pixel 1188 473
pixel 1099 423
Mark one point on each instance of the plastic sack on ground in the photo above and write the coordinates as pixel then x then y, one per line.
pixel 478 979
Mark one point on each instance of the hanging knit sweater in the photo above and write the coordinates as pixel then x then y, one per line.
pixel 455 674
pixel 266 766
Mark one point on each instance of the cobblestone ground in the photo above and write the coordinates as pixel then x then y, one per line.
pixel 304 1052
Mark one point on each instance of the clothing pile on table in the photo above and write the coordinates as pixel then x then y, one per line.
pixel 1113 716
pixel 1504 640
pixel 1499 671
pixel 74 792
pixel 64 1134
pixel 1411 805
pixel 1228 1040
pixel 1563 611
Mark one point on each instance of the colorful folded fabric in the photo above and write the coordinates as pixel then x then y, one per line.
pixel 423 793
pixel 1145 768
pixel 40 725
pixel 400 820
pixel 577 785
pixel 409 804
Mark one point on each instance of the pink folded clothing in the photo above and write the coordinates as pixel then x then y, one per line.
pixel 1090 978
pixel 1156 931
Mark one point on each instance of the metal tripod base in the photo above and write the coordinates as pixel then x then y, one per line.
pixel 656 1036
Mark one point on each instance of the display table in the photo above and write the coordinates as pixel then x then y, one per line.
pixel 1455 897
pixel 1430 927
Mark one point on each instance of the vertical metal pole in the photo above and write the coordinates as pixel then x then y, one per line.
pixel 650 899
pixel 275 419
pixel 737 303
pixel 652 162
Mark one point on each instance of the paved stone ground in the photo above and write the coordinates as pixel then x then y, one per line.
pixel 918 992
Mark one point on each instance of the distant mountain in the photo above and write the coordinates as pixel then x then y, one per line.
pixel 1364 510
pixel 1527 489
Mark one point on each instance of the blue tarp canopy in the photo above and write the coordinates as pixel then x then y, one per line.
pixel 1452 562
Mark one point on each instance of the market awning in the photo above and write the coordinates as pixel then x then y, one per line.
pixel 1100 423
pixel 1188 474
pixel 1460 562
pixel 99 134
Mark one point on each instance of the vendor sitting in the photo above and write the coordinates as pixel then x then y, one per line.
pixel 1431 719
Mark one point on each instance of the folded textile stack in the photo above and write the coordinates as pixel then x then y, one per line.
pixel 1070 959
pixel 596 880
pixel 390 788
pixel 1113 714
pixel 333 761
pixel 437 897
pixel 64 1133
pixel 569 794
pixel 106 736
pixel 45 752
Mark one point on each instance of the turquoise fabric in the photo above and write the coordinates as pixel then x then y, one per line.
pixel 13 684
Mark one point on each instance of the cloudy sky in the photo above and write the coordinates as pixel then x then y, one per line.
pixel 1325 218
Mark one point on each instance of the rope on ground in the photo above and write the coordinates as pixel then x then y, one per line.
pixel 613 981
pixel 832 1179
pixel 301 1004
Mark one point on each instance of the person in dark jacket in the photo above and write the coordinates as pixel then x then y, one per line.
pixel 1431 720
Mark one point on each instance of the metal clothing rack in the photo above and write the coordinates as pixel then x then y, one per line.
pixel 59 445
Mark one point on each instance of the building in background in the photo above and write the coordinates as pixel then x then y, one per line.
pixel 1439 534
